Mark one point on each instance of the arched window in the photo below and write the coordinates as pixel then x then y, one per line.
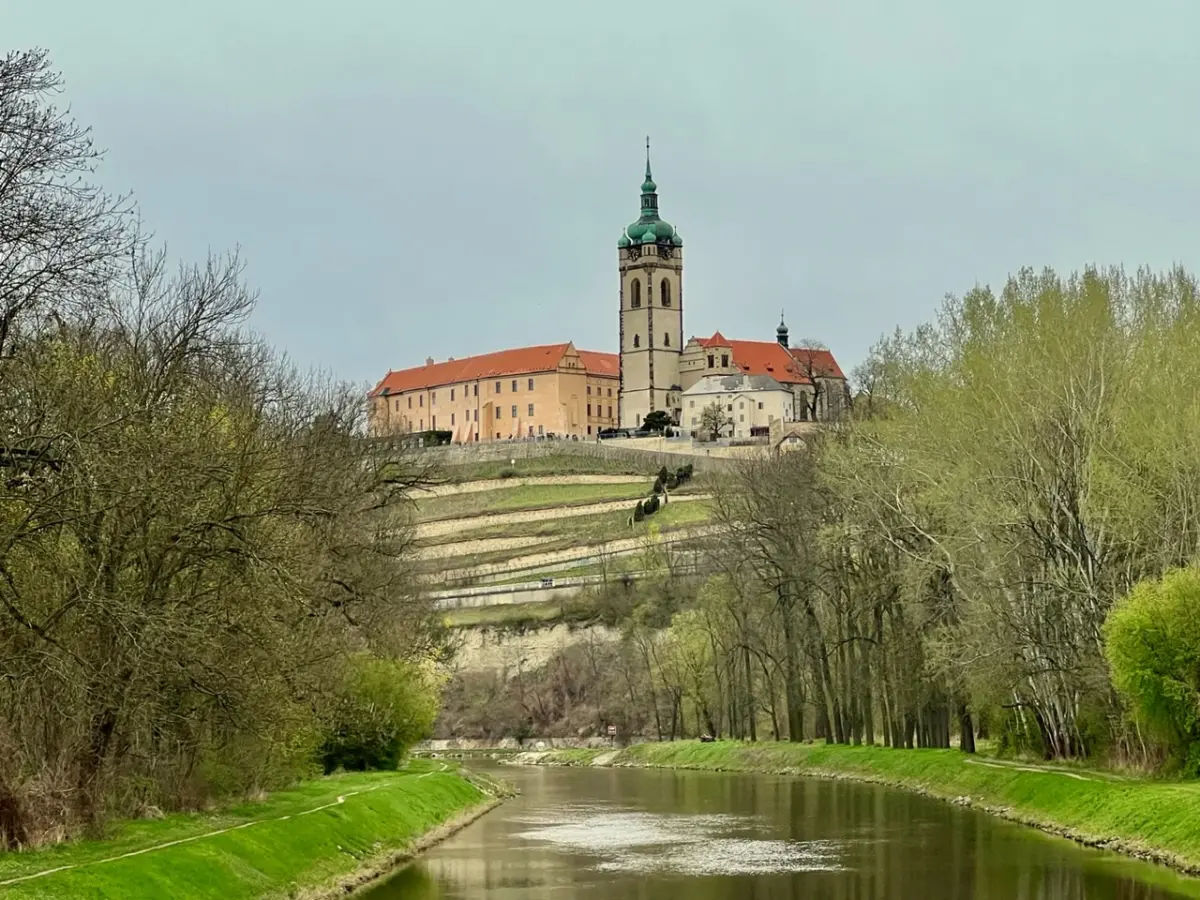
pixel 635 300
pixel 665 292
pixel 666 336
pixel 637 340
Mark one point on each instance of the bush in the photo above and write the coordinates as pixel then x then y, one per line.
pixel 663 474
pixel 684 473
pixel 652 505
pixel 383 708
pixel 508 473
pixel 658 486
pixel 672 482
pixel 1152 641
pixel 638 512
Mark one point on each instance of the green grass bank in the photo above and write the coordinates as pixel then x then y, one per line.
pixel 309 842
pixel 1149 819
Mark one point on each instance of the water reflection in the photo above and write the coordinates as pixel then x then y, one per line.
pixel 629 834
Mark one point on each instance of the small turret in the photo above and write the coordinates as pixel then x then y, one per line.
pixel 781 333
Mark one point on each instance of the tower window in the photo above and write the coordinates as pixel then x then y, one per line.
pixel 724 360
pixel 635 299
pixel 637 340
pixel 666 336
pixel 711 360
pixel 665 292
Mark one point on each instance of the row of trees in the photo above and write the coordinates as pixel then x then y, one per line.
pixel 200 571
pixel 942 566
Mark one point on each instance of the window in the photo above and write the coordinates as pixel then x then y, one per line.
pixel 421 400
pixel 476 415
pixel 477 436
pixel 741 418
pixel 666 338
pixel 420 425
pixel 665 292
pixel 433 423
pixel 635 300
pixel 531 431
pixel 760 406
pixel 589 390
pixel 637 340
pixel 514 411
pixel 711 359
pixel 433 399
pixel 741 404
pixel 610 412
pixel 531 384
pixel 499 412
pixel 514 385
pixel 397 404
pixel 475 391
pixel 410 402
pixel 451 395
pixel 497 387
pixel 541 429
pixel 451 419
pixel 693 420
pixel 589 429
pixel 589 409
pixel 724 360
pixel 530 413
pixel 691 404
pixel 729 408
pixel 610 392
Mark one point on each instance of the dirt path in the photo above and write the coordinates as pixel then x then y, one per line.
pixel 481 545
pixel 492 484
pixel 618 547
pixel 456 526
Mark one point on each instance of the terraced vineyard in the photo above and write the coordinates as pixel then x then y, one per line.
pixel 500 540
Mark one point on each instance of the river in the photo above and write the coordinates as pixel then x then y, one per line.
pixel 637 834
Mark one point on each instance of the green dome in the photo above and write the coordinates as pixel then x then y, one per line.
pixel 649 228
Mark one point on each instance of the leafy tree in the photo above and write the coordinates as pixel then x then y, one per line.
pixel 1152 642
pixel 383 706
pixel 656 420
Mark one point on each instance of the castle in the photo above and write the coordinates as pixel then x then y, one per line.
pixel 560 391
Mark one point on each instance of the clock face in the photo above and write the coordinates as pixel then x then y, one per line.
pixel 664 251
pixel 635 252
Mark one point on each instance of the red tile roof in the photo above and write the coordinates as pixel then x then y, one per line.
pixel 597 363
pixel 521 361
pixel 786 365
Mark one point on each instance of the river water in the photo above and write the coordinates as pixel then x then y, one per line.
pixel 643 834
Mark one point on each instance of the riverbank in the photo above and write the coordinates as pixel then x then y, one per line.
pixel 1148 819
pixel 320 839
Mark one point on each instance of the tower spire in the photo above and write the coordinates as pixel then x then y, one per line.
pixel 648 176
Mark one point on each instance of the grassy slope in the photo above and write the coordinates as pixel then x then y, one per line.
pixel 1150 819
pixel 529 496
pixel 269 859
pixel 566 464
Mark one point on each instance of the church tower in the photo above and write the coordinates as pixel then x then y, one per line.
pixel 650 259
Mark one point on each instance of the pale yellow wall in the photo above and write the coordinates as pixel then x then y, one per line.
pixel 649 328
pixel 558 400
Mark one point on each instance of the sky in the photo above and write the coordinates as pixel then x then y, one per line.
pixel 407 180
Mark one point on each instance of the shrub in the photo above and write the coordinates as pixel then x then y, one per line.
pixel 663 474
pixel 652 505
pixel 383 707
pixel 672 481
pixel 508 473
pixel 658 486
pixel 638 512
pixel 1152 642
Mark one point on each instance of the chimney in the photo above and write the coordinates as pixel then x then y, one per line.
pixel 429 360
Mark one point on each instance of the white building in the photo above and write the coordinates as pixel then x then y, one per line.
pixel 746 402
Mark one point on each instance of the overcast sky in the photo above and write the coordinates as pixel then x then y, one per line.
pixel 445 178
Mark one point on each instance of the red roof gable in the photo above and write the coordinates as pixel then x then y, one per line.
pixel 597 363
pixel 785 365
pixel 521 361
